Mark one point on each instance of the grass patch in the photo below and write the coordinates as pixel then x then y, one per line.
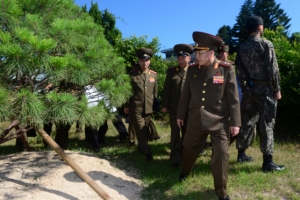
pixel 246 181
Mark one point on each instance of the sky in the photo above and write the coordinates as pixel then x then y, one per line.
pixel 173 21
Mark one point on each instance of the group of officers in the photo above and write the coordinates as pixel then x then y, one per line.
pixel 203 100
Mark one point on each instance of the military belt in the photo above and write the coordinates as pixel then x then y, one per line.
pixel 258 82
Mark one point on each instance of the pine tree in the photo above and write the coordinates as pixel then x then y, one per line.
pixel 239 32
pixel 55 43
pixel 272 14
pixel 108 21
pixel 225 33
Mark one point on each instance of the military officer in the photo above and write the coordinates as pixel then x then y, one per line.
pixel 173 86
pixel 139 107
pixel 223 52
pixel 210 98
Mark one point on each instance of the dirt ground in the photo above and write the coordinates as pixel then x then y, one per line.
pixel 43 176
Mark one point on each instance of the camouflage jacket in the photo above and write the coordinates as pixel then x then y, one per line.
pixel 257 56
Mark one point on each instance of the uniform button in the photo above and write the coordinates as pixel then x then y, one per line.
pixel 203 99
pixel 203 91
pixel 202 106
pixel 204 84
pixel 145 87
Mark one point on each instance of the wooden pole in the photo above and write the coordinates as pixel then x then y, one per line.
pixel 84 176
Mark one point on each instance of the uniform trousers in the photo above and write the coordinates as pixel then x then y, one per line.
pixel 194 142
pixel 258 105
pixel 176 140
pixel 95 137
pixel 141 123
pixel 62 135
pixel 118 124
pixel 152 134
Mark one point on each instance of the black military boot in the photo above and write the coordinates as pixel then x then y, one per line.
pixel 242 157
pixel 149 157
pixel 269 166
pixel 226 198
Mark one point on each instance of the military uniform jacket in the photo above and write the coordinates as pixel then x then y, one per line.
pixel 172 89
pixel 258 56
pixel 144 86
pixel 210 97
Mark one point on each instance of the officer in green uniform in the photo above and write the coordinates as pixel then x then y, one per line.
pixel 210 98
pixel 173 86
pixel 139 107
pixel 153 135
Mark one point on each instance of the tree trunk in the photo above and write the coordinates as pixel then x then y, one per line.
pixel 84 176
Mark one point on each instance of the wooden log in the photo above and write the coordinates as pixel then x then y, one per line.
pixel 84 176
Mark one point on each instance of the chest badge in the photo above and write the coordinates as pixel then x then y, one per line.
pixel 218 79
pixel 151 79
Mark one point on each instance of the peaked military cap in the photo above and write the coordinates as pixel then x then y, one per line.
pixel 254 20
pixel 224 47
pixel 206 41
pixel 183 49
pixel 144 53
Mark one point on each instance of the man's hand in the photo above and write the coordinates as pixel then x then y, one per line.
pixel 234 130
pixel 126 111
pixel 180 123
pixel 277 95
pixel 164 110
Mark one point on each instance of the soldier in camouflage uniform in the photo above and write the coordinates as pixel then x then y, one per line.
pixel 173 86
pixel 140 105
pixel 259 77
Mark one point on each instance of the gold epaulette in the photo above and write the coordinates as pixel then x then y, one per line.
pixel 225 64
pixel 153 71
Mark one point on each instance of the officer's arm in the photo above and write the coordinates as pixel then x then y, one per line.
pixel 185 98
pixel 239 70
pixel 272 66
pixel 155 92
pixel 166 91
pixel 233 98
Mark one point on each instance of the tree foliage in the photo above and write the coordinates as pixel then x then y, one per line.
pixel 268 10
pixel 288 58
pixel 225 32
pixel 239 32
pixel 55 42
pixel 272 14
pixel 107 20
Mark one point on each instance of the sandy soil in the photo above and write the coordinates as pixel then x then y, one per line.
pixel 44 176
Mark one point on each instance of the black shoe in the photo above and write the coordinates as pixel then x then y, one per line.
pixel 244 158
pixel 156 138
pixel 226 198
pixel 139 150
pixel 272 167
pixel 182 177
pixel 96 150
pixel 175 165
pixel 149 157
pixel 131 144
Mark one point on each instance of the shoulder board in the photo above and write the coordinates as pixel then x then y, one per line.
pixel 152 71
pixel 225 64
pixel 193 65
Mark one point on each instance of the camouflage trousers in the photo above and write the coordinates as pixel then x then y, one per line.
pixel 258 106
